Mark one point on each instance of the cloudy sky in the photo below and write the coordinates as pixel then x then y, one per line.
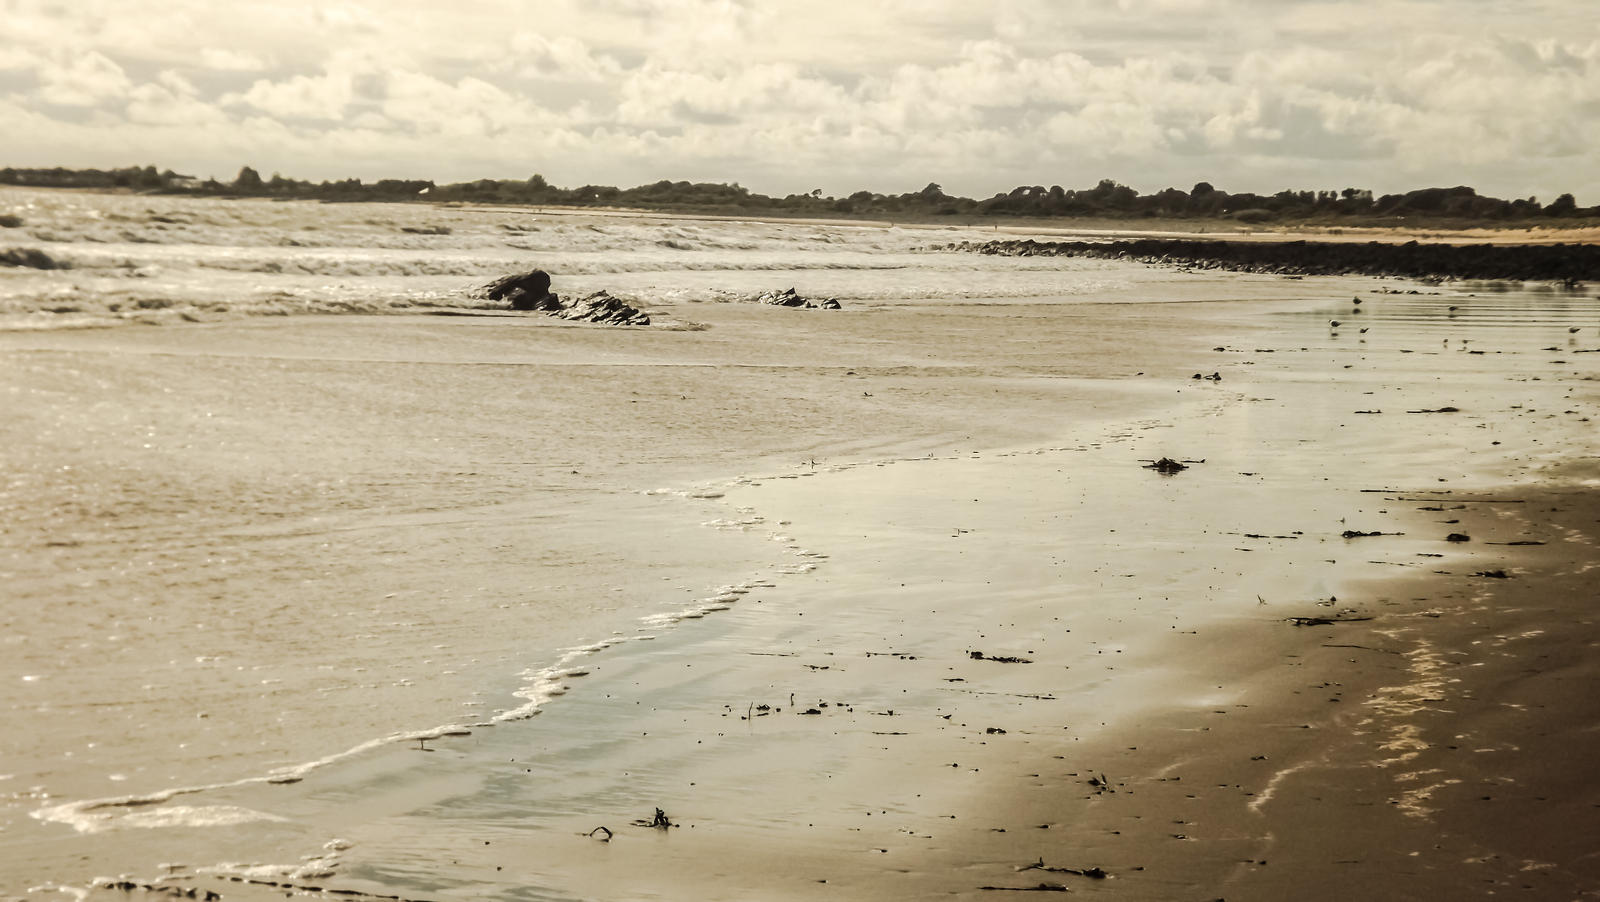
pixel 781 96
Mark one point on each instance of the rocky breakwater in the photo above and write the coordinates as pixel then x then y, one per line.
pixel 531 291
pixel 1566 263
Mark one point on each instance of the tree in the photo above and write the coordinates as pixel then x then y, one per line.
pixel 247 180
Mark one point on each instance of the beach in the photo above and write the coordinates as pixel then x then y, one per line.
pixel 310 590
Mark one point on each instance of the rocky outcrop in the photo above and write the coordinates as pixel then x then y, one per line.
pixel 523 291
pixel 531 291
pixel 1570 263
pixel 790 298
pixel 33 258
pixel 601 307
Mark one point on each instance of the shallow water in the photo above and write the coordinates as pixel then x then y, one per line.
pixel 262 558
pixel 153 259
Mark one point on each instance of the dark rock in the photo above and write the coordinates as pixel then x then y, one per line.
pixel 32 258
pixel 791 298
pixel 523 291
pixel 785 298
pixel 601 307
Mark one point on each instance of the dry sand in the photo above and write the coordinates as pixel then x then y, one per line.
pixel 825 512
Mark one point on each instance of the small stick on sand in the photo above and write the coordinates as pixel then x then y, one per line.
pixel 1092 873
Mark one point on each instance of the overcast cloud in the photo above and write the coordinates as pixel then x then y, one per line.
pixel 1251 95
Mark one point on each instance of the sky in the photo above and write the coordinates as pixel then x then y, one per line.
pixel 842 95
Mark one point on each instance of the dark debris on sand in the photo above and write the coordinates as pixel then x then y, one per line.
pixel 998 659
pixel 1167 466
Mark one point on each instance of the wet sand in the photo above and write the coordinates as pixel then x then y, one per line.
pixel 828 518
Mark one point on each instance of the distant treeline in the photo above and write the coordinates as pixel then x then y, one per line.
pixel 1442 206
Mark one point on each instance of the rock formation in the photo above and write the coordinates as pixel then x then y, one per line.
pixel 790 298
pixel 601 307
pixel 531 291
pixel 523 291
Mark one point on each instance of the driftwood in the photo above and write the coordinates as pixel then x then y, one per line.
pixel 660 821
pixel 998 659
pixel 1169 466
pixel 1091 873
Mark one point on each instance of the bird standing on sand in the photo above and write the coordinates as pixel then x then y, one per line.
pixel 1333 324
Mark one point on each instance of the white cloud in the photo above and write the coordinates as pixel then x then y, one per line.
pixel 300 97
pixel 1109 129
pixel 219 59
pixel 15 59
pixel 466 108
pixel 171 101
pixel 83 80
pixel 560 57
pixel 657 95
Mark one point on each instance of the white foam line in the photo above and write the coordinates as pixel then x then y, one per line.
pixel 544 684
pixel 1271 789
pixel 97 815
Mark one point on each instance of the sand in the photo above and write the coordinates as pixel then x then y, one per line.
pixel 282 540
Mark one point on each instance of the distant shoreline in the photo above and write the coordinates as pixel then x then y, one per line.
pixel 1100 227
pixel 1204 208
